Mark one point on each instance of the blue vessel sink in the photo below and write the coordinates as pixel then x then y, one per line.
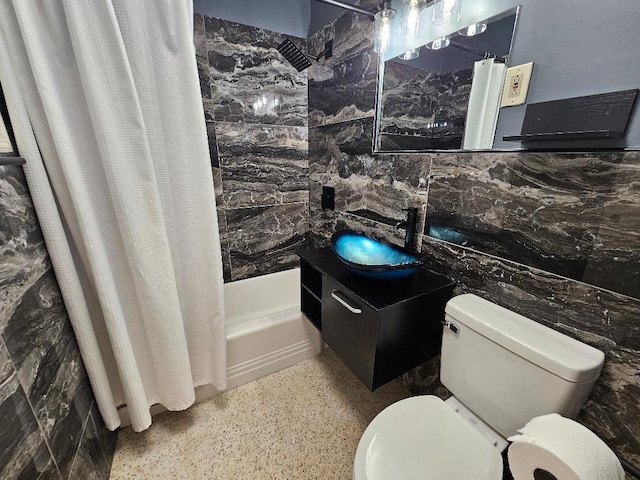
pixel 373 258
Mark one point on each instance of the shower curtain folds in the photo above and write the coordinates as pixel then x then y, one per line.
pixel 105 102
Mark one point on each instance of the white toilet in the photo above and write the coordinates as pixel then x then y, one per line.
pixel 503 369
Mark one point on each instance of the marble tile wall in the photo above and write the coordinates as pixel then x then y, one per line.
pixel 583 208
pixel 50 426
pixel 255 106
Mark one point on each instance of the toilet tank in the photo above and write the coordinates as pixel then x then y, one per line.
pixel 507 368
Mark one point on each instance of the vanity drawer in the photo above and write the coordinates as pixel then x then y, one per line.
pixel 349 328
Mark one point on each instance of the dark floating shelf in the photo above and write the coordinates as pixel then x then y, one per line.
pixel 601 116
pixel 12 160
pixel 584 135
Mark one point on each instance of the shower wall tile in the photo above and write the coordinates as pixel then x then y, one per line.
pixel 259 156
pixel 343 87
pixel 577 215
pixel 44 391
pixel 213 143
pixel 264 240
pixel 224 244
pixel 263 164
pixel 22 251
pixel 93 462
pixel 23 451
pixel 245 68
pixel 52 375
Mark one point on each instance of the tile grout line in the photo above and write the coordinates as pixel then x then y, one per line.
pixel 84 429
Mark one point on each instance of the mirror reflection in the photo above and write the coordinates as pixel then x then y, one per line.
pixel 446 94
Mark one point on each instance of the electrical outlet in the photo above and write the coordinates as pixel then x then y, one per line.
pixel 516 84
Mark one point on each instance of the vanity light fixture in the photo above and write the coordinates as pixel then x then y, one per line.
pixel 439 43
pixel 383 27
pixel 473 29
pixel 446 12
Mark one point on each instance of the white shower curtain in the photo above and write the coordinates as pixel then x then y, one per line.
pixel 484 104
pixel 105 102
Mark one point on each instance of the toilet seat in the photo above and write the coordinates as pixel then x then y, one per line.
pixel 422 438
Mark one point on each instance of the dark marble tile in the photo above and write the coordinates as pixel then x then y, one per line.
pixel 213 144
pixel 52 374
pixel 246 68
pixel 264 239
pixel 105 437
pixel 224 244
pixel 23 452
pixel 340 157
pixel 93 458
pixel 610 322
pixel 344 86
pixel 200 38
pixel 216 172
pixel 263 164
pixel 577 215
pixel 425 380
pixel 23 256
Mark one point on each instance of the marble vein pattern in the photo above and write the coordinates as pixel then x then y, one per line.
pixel 22 251
pixel 213 143
pixel 577 215
pixel 263 164
pixel 244 68
pixel 42 346
pixel 423 109
pixel 224 244
pixel 263 240
pixel 95 453
pixel 557 208
pixel 608 321
pixel 343 87
pixel 380 186
pixel 23 451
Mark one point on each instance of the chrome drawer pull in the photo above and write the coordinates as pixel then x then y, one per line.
pixel 334 294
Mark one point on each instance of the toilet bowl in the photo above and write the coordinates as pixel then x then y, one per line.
pixel 503 369
pixel 424 438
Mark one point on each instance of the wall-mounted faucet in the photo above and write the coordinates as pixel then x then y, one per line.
pixel 410 227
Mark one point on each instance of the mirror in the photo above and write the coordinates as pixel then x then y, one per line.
pixel 574 53
pixel 445 98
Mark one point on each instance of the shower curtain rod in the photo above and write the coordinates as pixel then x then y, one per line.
pixel 477 51
pixel 12 160
pixel 347 6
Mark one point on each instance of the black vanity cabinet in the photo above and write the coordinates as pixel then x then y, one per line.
pixel 379 328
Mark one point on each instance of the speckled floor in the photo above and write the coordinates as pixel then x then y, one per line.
pixel 303 422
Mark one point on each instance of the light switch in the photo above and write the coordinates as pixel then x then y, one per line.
pixel 516 84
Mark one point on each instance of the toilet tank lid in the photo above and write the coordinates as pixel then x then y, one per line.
pixel 559 354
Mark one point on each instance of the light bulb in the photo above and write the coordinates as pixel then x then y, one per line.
pixel 446 11
pixel 383 29
pixel 410 26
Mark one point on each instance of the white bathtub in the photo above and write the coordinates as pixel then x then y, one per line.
pixel 266 331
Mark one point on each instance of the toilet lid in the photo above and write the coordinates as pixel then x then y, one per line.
pixel 422 438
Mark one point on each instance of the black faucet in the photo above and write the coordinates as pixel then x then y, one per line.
pixel 410 228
